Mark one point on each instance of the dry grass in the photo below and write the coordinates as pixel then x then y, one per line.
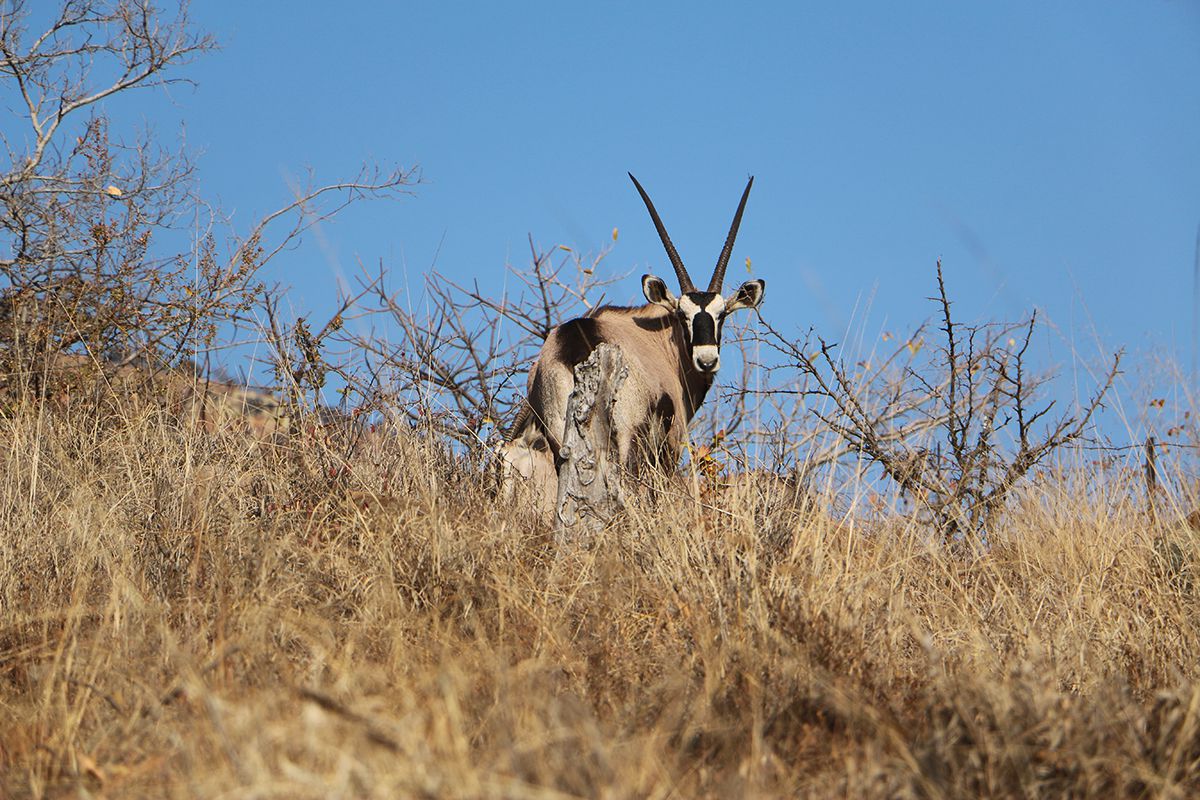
pixel 187 613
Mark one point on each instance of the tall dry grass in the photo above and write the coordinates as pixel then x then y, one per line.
pixel 193 613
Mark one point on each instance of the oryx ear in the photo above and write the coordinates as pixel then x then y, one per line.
pixel 656 292
pixel 748 295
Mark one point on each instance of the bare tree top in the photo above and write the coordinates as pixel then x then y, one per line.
pixel 89 51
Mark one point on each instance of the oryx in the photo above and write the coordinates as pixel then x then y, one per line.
pixel 672 348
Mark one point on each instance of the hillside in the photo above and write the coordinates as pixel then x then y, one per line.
pixel 194 610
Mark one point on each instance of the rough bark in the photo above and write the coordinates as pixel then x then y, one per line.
pixel 589 491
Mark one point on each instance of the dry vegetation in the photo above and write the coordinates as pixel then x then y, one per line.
pixel 193 612
pixel 207 591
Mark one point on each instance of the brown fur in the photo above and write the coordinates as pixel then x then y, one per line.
pixel 653 409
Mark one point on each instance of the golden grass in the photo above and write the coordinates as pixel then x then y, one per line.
pixel 185 613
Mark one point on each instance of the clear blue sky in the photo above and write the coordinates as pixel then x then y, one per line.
pixel 1048 152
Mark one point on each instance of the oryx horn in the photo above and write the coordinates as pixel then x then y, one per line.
pixel 685 281
pixel 719 273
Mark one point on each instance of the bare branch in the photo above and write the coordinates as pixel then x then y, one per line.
pixel 962 394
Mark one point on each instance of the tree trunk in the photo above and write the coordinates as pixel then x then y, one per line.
pixel 589 492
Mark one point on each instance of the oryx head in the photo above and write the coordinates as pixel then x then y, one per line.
pixel 702 314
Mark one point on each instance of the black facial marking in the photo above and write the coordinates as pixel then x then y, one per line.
pixel 704 329
pixel 577 339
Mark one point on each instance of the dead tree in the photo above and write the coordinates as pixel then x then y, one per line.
pixel 589 490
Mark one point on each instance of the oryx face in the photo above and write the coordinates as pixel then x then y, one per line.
pixel 701 314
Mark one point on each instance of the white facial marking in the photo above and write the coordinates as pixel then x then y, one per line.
pixel 689 311
pixel 716 307
pixel 689 308
pixel 706 357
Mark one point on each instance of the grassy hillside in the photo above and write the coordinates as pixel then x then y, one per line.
pixel 186 610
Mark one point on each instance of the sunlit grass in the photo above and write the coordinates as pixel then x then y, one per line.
pixel 191 612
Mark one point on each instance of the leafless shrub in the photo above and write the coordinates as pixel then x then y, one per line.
pixel 954 425
pixel 451 358
pixel 105 248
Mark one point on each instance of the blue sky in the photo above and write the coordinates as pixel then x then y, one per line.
pixel 1049 153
